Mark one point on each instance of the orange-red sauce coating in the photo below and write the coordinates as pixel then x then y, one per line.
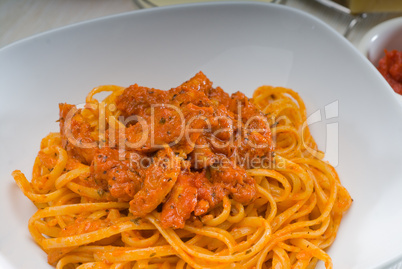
pixel 194 173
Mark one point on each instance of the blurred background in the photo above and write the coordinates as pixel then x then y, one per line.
pixel 22 18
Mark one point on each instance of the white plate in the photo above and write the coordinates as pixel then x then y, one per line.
pixel 239 46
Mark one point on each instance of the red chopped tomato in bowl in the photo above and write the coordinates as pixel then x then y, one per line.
pixel 390 66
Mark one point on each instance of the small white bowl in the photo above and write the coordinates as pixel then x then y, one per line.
pixel 386 35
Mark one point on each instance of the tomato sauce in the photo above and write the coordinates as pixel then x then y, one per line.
pixel 390 66
pixel 200 144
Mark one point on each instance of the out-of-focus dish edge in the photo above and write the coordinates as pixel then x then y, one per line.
pixel 377 39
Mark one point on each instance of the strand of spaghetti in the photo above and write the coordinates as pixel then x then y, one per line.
pixel 239 232
pixel 282 120
pixel 325 214
pixel 152 254
pixel 271 186
pixel 292 147
pixel 26 188
pixel 51 139
pixel 277 106
pixel 274 175
pixel 283 164
pixel 288 247
pixel 46 182
pixel 111 98
pixel 36 169
pixel 296 182
pixel 221 217
pixel 303 264
pixel 143 264
pixel 180 264
pixel 280 258
pixel 165 265
pixel 309 144
pixel 104 112
pixel 44 228
pixel 92 250
pixel 237 216
pixel 280 90
pixel 120 265
pixel 93 265
pixel 313 250
pixel 330 233
pixel 272 213
pixel 97 194
pixel 213 232
pixel 208 246
pixel 90 237
pixel 265 91
pixel 281 237
pixel 281 218
pixel 322 166
pixel 308 233
pixel 73 259
pixel 63 200
pixel 252 262
pixel 246 244
pixel 97 214
pixel 322 196
pixel 67 177
pixel 305 210
pixel 103 88
pixel 344 201
pixel 275 189
pixel 196 238
pixel 133 241
pixel 252 221
pixel 124 254
pixel 100 112
pixel 330 172
pixel 179 246
pixel 66 210
pixel 209 249
pixel 262 94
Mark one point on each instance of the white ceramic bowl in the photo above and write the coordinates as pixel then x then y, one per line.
pixel 386 35
pixel 240 46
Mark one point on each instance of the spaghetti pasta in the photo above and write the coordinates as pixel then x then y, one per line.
pixel 185 178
